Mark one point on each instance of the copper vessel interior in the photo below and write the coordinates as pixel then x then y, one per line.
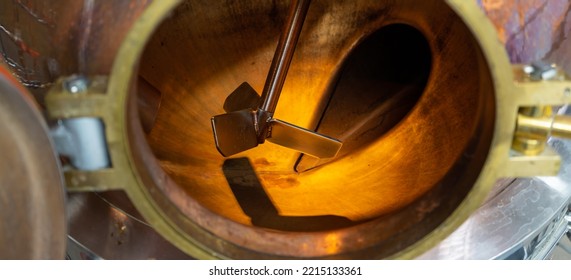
pixel 403 83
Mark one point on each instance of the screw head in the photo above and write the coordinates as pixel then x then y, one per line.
pixel 541 70
pixel 76 84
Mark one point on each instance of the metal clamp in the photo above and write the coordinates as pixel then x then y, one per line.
pixel 81 139
pixel 535 124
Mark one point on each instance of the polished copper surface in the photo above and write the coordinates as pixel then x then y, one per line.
pixel 397 185
pixel 32 213
pixel 358 188
pixel 408 167
pixel 44 40
pixel 148 104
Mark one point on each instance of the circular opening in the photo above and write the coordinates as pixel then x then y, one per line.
pixel 374 87
pixel 415 133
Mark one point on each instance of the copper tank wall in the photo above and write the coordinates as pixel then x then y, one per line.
pixel 44 40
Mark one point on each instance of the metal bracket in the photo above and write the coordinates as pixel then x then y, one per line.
pixel 541 86
pixel 79 107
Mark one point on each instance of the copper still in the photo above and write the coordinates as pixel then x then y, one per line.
pixel 428 106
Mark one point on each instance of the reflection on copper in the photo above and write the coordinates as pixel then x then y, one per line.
pixel 428 153
pixel 332 243
pixel 375 178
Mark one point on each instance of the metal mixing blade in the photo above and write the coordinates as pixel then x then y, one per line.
pixel 249 119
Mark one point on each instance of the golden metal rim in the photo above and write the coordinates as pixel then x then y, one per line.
pixel 506 106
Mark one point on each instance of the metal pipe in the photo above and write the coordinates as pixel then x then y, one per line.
pixel 561 127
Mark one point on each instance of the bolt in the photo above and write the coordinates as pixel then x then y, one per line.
pixel 528 69
pixel 76 84
pixel 541 70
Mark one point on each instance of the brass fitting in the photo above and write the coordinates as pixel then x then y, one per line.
pixel 535 125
